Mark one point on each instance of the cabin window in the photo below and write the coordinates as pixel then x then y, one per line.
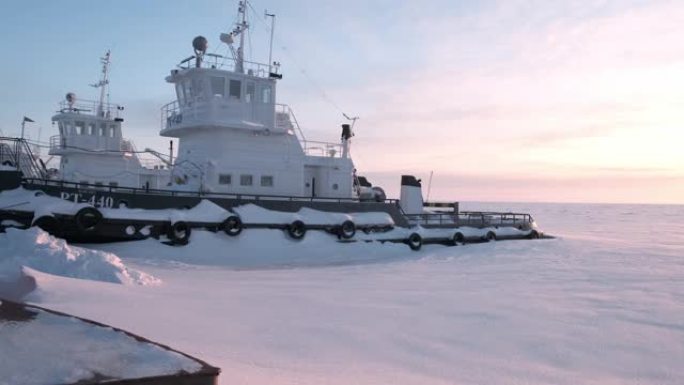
pixel 266 94
pixel 250 91
pixel 61 128
pixel 180 93
pixel 266 181
pixel 112 131
pixel 235 87
pixel 335 186
pixel 103 129
pixel 245 180
pixel 197 88
pixel 80 128
pixel 218 86
pixel 225 179
pixel 91 129
pixel 186 91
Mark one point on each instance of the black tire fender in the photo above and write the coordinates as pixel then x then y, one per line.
pixel 232 226
pixel 179 233
pixel 49 224
pixel 347 230
pixel 296 229
pixel 491 236
pixel 457 238
pixel 87 218
pixel 534 234
pixel 414 241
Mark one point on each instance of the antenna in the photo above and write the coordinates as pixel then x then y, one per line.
pixel 102 84
pixel 240 27
pixel 270 46
pixel 353 120
pixel 427 199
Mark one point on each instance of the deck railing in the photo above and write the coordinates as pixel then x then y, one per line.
pixel 471 218
pixel 17 153
pixel 215 61
pixel 198 194
pixel 92 107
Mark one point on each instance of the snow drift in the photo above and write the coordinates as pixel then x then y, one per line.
pixel 38 250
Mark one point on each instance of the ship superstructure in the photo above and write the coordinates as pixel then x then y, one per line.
pixel 91 145
pixel 234 137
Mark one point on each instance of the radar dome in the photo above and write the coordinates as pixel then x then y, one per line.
pixel 71 98
pixel 199 44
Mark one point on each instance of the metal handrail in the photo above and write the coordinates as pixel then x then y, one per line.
pixel 326 149
pixel 22 156
pixel 220 62
pixel 91 107
pixel 199 194
pixel 284 108
pixel 476 218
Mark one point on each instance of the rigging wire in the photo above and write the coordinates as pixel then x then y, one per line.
pixel 324 95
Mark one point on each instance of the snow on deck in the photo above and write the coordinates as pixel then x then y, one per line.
pixel 205 211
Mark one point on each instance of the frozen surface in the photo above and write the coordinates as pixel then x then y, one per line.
pixel 50 349
pixel 36 249
pixel 602 304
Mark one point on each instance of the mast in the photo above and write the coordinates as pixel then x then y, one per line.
pixel 242 27
pixel 270 47
pixel 102 84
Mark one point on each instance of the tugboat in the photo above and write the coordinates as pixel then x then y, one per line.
pixel 243 162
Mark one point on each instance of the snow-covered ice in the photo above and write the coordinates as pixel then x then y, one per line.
pixel 601 304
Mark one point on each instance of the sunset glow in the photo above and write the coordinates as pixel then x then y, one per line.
pixel 538 101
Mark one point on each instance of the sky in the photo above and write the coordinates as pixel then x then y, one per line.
pixel 551 101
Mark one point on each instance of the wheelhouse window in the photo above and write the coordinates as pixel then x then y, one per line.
pixel 112 130
pixel 197 88
pixel 266 181
pixel 91 129
pixel 235 88
pixel 187 95
pixel 250 91
pixel 103 129
pixel 218 85
pixel 266 94
pixel 181 93
pixel 245 180
pixel 225 179
pixel 80 128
